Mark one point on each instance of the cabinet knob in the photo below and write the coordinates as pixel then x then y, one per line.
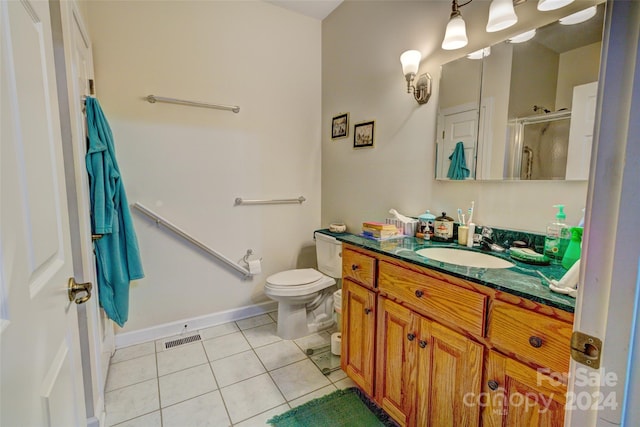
pixel 493 384
pixel 422 343
pixel 535 341
pixel 354 267
pixel 419 293
pixel 367 310
pixel 411 337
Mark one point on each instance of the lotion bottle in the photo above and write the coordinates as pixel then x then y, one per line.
pixel 557 238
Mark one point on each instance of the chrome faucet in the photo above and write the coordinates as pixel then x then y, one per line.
pixel 486 241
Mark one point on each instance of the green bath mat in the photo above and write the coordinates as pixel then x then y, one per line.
pixel 347 408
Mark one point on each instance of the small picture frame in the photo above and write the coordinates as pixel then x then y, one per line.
pixel 363 135
pixel 340 126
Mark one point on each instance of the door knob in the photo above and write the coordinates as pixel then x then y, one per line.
pixel 73 289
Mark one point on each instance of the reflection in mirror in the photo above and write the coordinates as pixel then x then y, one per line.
pixel 458 112
pixel 536 111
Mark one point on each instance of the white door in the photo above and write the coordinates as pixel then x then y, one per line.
pixel 583 117
pixel 459 124
pixel 40 368
pixel 98 341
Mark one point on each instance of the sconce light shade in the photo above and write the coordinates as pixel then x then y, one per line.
pixel 546 5
pixel 523 37
pixel 410 61
pixel 455 36
pixel 501 15
pixel 579 17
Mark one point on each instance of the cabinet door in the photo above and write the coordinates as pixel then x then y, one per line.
pixel 358 334
pixel 396 360
pixel 449 377
pixel 517 395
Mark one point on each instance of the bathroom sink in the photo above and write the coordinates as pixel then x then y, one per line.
pixel 463 257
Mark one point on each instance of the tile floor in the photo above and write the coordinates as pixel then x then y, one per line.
pixel 240 374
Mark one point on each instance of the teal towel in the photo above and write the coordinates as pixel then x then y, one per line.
pixel 458 167
pixel 117 254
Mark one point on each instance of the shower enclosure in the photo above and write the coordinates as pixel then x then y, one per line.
pixel 539 146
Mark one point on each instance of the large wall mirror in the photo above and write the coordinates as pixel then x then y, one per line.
pixel 522 110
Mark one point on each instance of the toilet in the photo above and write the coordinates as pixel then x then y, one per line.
pixel 305 296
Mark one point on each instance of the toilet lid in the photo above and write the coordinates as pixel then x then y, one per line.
pixel 295 277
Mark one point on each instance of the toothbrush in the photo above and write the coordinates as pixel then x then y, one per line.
pixel 471 211
pixel 460 212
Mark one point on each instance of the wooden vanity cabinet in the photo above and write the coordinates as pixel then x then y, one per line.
pixel 358 318
pixel 358 334
pixel 424 370
pixel 435 350
pixel 517 395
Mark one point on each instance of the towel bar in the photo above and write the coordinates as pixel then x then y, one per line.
pixel 241 201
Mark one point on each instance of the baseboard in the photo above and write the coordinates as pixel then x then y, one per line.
pixel 126 339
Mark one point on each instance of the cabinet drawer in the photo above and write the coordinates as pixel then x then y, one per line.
pixel 530 336
pixel 359 267
pixel 435 298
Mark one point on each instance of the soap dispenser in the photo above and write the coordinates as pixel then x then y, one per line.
pixel 557 238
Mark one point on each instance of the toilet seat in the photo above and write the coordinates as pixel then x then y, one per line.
pixel 297 282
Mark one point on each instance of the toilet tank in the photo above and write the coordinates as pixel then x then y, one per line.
pixel 329 255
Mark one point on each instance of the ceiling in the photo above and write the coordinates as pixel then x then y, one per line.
pixel 318 9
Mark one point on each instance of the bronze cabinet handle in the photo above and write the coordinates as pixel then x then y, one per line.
pixel 419 293
pixel 367 310
pixel 422 343
pixel 493 384
pixel 535 341
pixel 354 267
pixel 411 337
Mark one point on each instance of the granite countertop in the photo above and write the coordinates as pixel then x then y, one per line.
pixel 521 279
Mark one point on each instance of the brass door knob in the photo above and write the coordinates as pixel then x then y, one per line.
pixel 74 289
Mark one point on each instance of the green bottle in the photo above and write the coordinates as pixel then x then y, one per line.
pixel 557 238
pixel 572 254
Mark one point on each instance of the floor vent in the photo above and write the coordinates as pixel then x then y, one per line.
pixel 186 340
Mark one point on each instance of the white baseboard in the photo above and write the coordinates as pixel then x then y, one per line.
pixel 126 339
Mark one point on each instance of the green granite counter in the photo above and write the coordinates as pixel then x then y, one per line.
pixel 521 279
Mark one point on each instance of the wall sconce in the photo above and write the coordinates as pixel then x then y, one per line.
pixel 410 61
pixel 546 5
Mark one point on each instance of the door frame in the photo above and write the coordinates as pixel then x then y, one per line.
pixel 607 304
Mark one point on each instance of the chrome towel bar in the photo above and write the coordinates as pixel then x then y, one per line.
pixel 152 99
pixel 161 221
pixel 241 201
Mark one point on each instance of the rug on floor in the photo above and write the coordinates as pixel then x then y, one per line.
pixel 342 408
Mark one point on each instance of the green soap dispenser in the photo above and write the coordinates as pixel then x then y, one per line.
pixel 557 238
pixel 572 254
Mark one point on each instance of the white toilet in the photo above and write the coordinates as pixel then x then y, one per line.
pixel 305 296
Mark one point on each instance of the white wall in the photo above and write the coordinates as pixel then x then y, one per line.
pixel 189 164
pixel 361 74
pixel 577 67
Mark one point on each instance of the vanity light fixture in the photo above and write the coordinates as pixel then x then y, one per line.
pixel 579 17
pixel 523 37
pixel 455 35
pixel 501 15
pixel 546 5
pixel 410 61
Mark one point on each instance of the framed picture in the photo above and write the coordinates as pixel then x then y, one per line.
pixel 363 135
pixel 340 126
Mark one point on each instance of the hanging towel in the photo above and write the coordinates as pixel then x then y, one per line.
pixel 458 167
pixel 117 254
